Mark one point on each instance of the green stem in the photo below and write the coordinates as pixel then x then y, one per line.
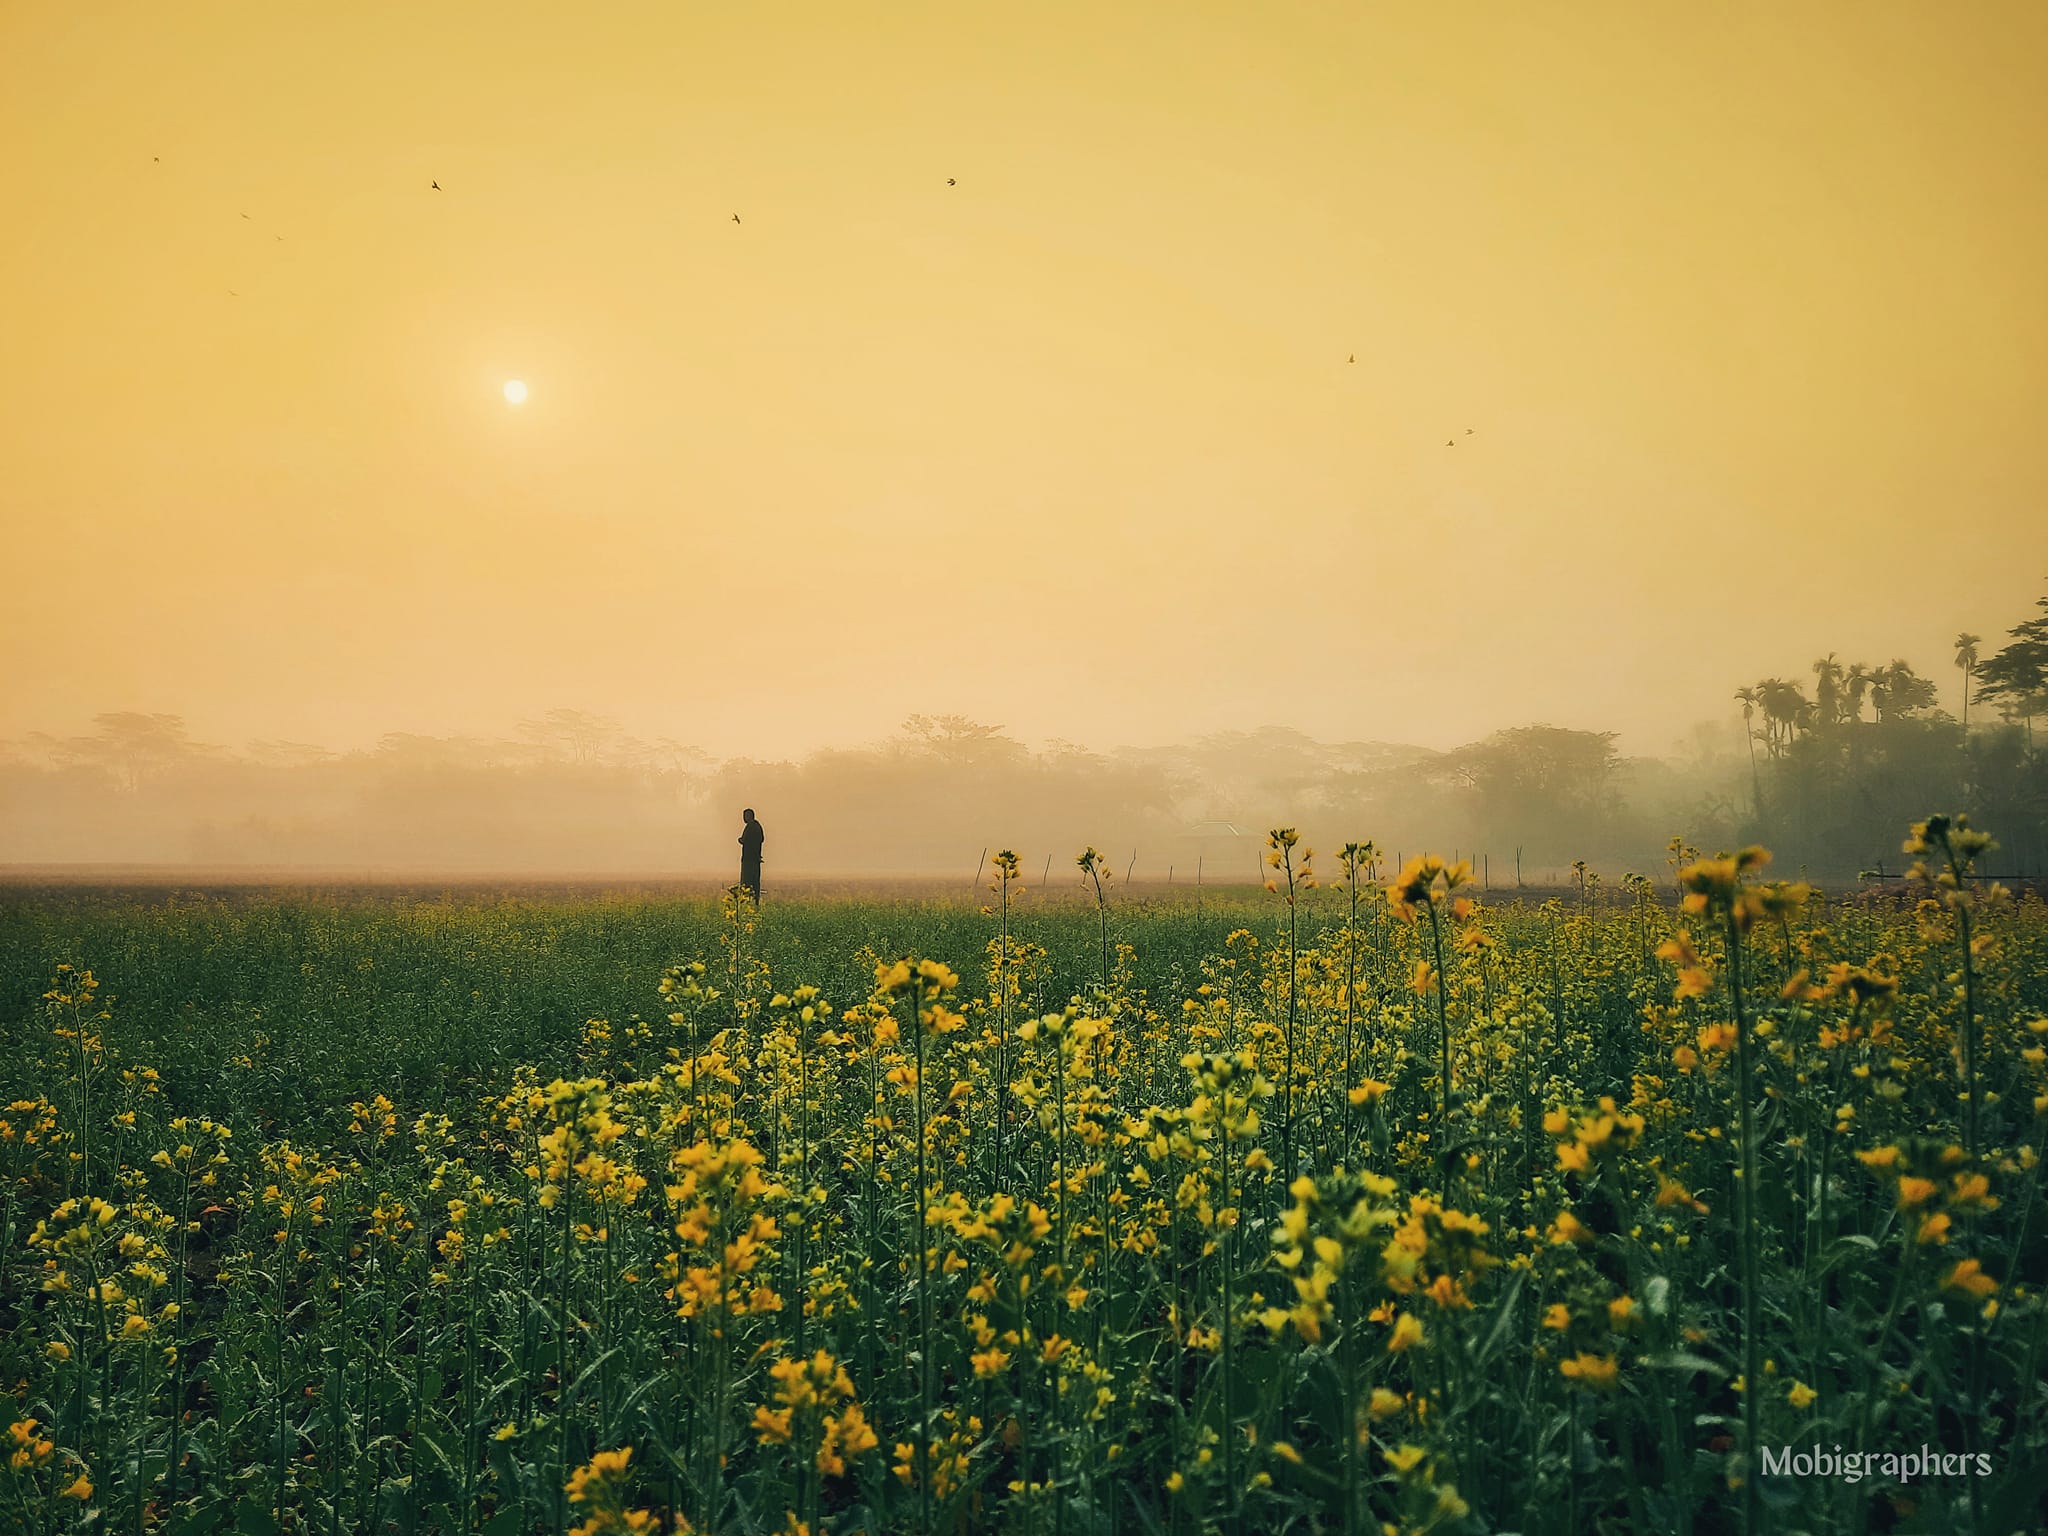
pixel 1002 1095
pixel 1752 1347
pixel 1350 1024
pixel 1963 928
pixel 1443 1027
pixel 1293 978
pixel 924 1300
pixel 562 1361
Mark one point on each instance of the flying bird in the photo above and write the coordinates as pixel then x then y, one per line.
pixel 1450 442
pixel 245 215
pixel 1468 431
pixel 437 186
pixel 1352 358
pixel 949 181
pixel 735 218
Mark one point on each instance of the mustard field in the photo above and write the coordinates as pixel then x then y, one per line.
pixel 1370 1202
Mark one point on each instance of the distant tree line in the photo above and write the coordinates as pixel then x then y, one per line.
pixel 1834 772
pixel 1826 773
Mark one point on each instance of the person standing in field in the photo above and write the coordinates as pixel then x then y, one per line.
pixel 751 839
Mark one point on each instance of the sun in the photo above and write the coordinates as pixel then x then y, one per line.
pixel 515 391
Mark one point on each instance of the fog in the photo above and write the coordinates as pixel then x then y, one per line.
pixel 571 793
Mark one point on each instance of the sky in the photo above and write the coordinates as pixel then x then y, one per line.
pixel 1690 343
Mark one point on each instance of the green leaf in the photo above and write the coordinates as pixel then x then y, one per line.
pixel 1853 1246
pixel 440 1454
pixel 1684 1360
pixel 1502 1318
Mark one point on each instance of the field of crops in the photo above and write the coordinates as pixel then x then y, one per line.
pixel 1370 1202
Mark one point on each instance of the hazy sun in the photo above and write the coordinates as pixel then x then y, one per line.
pixel 515 391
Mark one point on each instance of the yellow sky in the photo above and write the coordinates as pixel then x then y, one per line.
pixel 1744 306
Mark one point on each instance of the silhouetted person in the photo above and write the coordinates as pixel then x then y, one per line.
pixel 751 839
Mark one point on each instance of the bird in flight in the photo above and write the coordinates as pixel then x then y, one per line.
pixel 949 181
pixel 245 215
pixel 1450 442
pixel 735 218
pixel 1468 431
pixel 1352 358
pixel 437 186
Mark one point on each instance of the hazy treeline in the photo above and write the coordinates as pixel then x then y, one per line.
pixel 1855 746
pixel 581 796
pixel 574 793
pixel 1824 772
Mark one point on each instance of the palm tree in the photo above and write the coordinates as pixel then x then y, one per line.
pixel 1966 660
pixel 1749 700
pixel 1827 688
pixel 1783 704
pixel 1898 690
pixel 1857 681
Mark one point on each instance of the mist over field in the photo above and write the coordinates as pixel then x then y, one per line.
pixel 575 794
pixel 572 793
